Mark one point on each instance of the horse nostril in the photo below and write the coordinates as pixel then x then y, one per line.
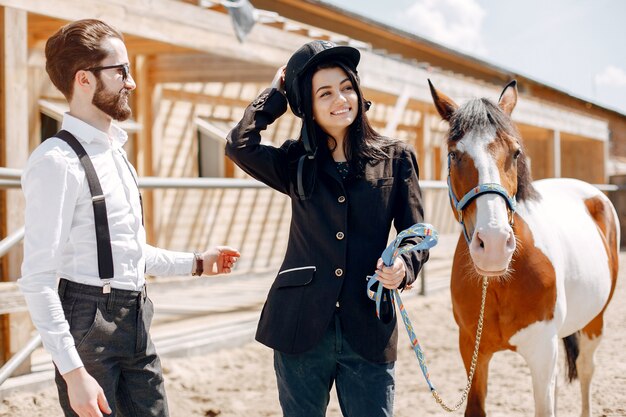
pixel 510 242
pixel 480 241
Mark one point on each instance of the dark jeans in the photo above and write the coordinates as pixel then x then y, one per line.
pixel 364 389
pixel 111 335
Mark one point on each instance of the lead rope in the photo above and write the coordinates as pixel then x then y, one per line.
pixel 429 239
pixel 470 377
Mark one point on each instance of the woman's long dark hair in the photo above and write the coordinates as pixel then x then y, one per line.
pixel 363 143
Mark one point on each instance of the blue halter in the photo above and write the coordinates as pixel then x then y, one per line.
pixel 488 188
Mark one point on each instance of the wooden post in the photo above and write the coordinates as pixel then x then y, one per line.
pixel 398 112
pixel 14 137
pixel 556 154
pixel 437 162
pixel 419 143
pixel 426 171
pixel 618 198
pixel 605 160
pixel 143 151
pixel 4 270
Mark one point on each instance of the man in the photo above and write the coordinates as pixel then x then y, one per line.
pixel 95 324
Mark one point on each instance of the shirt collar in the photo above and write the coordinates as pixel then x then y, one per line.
pixel 87 133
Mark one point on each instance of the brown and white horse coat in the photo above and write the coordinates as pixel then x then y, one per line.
pixel 553 262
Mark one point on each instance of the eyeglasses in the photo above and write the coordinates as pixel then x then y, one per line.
pixel 124 67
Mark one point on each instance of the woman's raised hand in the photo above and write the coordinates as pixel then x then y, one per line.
pixel 279 79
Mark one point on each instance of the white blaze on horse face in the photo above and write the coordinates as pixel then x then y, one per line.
pixel 493 241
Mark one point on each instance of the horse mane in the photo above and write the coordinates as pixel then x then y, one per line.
pixel 482 114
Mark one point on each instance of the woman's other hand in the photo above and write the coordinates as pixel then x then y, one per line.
pixel 391 276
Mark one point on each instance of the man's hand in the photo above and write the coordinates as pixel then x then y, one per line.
pixel 219 260
pixel 86 396
pixel 391 276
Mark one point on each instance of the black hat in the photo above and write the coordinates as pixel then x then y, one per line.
pixel 308 56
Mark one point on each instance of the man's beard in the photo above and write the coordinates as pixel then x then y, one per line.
pixel 114 105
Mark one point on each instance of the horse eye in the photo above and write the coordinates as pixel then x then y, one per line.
pixel 452 155
pixel 517 154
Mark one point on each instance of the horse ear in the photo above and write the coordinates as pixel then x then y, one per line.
pixel 444 104
pixel 508 98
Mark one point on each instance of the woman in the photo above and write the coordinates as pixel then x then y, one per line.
pixel 347 184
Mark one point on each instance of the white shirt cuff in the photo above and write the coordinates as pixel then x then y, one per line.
pixel 67 360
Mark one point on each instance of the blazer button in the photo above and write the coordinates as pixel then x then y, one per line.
pixel 339 272
pixel 340 235
pixel 341 199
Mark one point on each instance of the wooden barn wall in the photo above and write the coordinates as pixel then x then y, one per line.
pixel 582 158
pixel 617 127
pixel 539 150
pixel 254 220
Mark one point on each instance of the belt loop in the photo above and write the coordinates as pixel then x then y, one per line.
pixel 62 287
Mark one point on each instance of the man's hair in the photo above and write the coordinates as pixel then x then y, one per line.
pixel 74 47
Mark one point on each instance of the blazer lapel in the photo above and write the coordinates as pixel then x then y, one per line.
pixel 327 166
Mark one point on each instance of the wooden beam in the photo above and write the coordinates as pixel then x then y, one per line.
pixel 208 68
pixel 139 45
pixel 190 26
pixel 401 127
pixel 198 98
pixel 145 116
pixel 390 99
pixel 176 23
pixel 320 15
pixel 398 111
pixel 389 76
pixel 429 54
pixel 40 28
pixel 391 39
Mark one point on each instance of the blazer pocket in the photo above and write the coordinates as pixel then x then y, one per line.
pixel 295 277
pixel 381 182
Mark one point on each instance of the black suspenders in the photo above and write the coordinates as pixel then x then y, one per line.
pixel 103 237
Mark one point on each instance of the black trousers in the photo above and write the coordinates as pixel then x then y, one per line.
pixel 111 333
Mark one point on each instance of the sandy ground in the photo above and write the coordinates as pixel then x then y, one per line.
pixel 240 381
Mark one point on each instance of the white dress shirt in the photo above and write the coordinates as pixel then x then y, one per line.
pixel 60 239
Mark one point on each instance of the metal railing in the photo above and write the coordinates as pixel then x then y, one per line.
pixel 10 173
pixel 13 239
pixel 10 178
pixel 19 357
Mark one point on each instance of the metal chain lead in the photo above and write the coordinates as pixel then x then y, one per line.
pixel 479 332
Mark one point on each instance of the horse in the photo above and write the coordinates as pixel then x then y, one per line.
pixel 548 248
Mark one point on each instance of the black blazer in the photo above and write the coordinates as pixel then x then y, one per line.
pixel 335 237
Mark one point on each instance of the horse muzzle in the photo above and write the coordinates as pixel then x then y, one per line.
pixel 492 249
